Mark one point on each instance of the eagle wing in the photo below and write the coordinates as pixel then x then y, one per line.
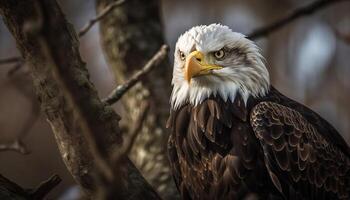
pixel 301 162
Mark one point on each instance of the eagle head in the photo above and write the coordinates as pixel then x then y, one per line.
pixel 213 60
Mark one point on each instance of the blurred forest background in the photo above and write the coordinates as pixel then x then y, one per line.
pixel 308 61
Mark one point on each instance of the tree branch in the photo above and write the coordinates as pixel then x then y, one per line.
pixel 16 61
pixel 117 93
pixel 10 190
pixel 10 60
pixel 130 36
pixel 100 16
pixel 64 79
pixel 300 12
pixel 45 187
pixel 71 103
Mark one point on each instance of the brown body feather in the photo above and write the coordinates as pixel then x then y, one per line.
pixel 273 148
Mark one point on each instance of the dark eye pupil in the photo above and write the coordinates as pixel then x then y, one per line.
pixel 182 55
pixel 219 54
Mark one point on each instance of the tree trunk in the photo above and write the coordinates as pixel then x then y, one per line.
pixel 130 35
pixel 49 45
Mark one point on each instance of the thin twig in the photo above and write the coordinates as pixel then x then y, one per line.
pixel 45 187
pixel 10 60
pixel 300 12
pixel 100 16
pixel 128 144
pixel 118 92
pixel 18 63
pixel 16 146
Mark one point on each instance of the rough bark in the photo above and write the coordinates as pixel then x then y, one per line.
pixel 56 49
pixel 130 35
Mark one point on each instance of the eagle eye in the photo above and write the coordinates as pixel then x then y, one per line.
pixel 182 55
pixel 219 54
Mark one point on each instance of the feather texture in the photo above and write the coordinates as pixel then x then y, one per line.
pixel 272 148
pixel 307 159
pixel 216 151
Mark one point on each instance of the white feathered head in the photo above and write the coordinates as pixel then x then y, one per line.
pixel 214 60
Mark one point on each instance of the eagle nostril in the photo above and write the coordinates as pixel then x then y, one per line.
pixel 199 59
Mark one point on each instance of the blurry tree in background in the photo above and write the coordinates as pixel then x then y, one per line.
pixel 308 60
pixel 130 35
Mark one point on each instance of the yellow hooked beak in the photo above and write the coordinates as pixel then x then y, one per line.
pixel 195 66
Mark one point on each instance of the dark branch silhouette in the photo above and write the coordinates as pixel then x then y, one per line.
pixel 296 14
pixel 10 60
pixel 45 187
pixel 16 62
pixel 10 190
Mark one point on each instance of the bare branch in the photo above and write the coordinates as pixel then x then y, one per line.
pixel 17 146
pixel 118 92
pixel 86 129
pixel 100 16
pixel 119 155
pixel 45 187
pixel 10 60
pixel 17 61
pixel 11 189
pixel 300 12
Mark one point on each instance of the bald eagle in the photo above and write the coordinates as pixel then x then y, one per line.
pixel 234 136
